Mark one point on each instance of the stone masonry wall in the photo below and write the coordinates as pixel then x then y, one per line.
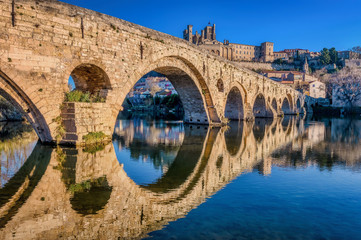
pixel 265 66
pixel 81 118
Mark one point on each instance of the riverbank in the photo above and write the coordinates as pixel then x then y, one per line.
pixel 336 111
pixel 8 113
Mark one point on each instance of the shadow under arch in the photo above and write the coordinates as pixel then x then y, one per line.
pixel 234 109
pixel 16 96
pixel 190 161
pixel 298 104
pixel 260 107
pixel 286 108
pixel 233 137
pixel 19 188
pixel 92 78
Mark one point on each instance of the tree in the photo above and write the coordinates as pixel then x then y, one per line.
pixel 153 88
pixel 325 56
pixel 356 49
pixel 333 55
pixel 346 85
pixel 278 61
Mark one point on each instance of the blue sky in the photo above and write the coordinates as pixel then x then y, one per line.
pixel 311 24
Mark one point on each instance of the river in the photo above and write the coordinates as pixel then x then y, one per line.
pixel 290 178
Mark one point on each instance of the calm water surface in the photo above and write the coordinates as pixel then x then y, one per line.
pixel 289 178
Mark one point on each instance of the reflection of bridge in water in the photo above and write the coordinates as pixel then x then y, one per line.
pixel 208 159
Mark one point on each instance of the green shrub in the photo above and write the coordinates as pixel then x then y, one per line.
pixel 93 148
pixel 95 137
pixel 79 96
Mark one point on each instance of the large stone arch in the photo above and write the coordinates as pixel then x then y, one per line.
pixel 92 78
pixel 186 79
pixel 260 108
pixel 298 105
pixel 234 109
pixel 286 107
pixel 16 96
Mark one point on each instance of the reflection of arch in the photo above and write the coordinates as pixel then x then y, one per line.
pixel 286 122
pixel 220 85
pixel 274 104
pixel 91 78
pixel 19 188
pixel 89 194
pixel 17 97
pixel 233 137
pixel 259 128
pixel 234 105
pixel 172 181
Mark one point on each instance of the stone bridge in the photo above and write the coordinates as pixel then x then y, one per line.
pixel 42 205
pixel 44 42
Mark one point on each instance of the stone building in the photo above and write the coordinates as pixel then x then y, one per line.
pixel 281 55
pixel 343 55
pixel 317 89
pixel 231 51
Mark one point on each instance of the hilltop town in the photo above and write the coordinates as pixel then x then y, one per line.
pixel 309 72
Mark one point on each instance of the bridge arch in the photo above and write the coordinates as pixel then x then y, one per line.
pixel 274 104
pixel 90 77
pixel 23 103
pixel 234 109
pixel 188 82
pixel 286 107
pixel 260 107
pixel 298 105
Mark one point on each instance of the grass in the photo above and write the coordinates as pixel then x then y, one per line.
pixel 79 96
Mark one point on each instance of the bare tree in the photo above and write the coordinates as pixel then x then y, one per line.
pixel 153 88
pixel 356 49
pixel 346 85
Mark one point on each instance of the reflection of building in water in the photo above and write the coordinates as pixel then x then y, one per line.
pixel 324 144
pixel 265 168
pixel 152 133
pixel 153 141
pixel 316 132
